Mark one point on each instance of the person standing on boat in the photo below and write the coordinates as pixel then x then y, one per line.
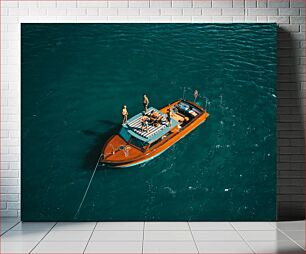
pixel 125 114
pixel 145 102
pixel 169 116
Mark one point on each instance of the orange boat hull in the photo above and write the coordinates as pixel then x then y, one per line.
pixel 135 156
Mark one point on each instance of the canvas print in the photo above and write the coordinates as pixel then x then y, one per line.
pixel 155 122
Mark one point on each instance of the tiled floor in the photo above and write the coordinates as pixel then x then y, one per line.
pixel 152 237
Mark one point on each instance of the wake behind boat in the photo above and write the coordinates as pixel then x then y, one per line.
pixel 134 144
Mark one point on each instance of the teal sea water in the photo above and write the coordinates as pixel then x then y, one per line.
pixel 75 79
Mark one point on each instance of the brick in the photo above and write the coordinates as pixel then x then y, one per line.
pixel 15 165
pixel 211 11
pixel 118 4
pixel 2 205
pixel 8 19
pixel 279 19
pixel 13 205
pixel 56 12
pixel 117 19
pixel 262 3
pixel 202 19
pixel 297 20
pixel 160 4
pixel 181 19
pixel 289 11
pixel 171 11
pixel 182 3
pixel 222 3
pixel 92 4
pixel 138 19
pixel 297 158
pixel 297 3
pixel 9 181
pixel 160 19
pixel 9 157
pixel 297 166
pixel 290 126
pixel 222 19
pixel 291 150
pixel 91 19
pixel 192 11
pixel 238 19
pixel 278 3
pixel 292 190
pixel 66 4
pixel 128 12
pixel 76 12
pixel 289 27
pixel 18 12
pixel 27 4
pixel 47 4
pixel 139 4
pixel 150 12
pixel 92 11
pixel 9 4
pixel 9 213
pixel 297 142
pixel 238 3
pixel 9 197
pixel 10 189
pixel 250 3
pixel 291 198
pixel 38 12
pixel 291 134
pixel 202 3
pixel 108 12
pixel 233 12
pixel 291 174
pixel 9 173
pixel 262 12
pixel 290 182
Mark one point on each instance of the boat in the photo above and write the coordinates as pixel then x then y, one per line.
pixel 133 145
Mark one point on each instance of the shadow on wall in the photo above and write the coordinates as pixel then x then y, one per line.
pixel 290 131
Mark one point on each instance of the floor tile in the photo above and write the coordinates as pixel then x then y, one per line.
pixel 33 226
pixel 211 226
pixel 253 226
pixel 168 236
pixel 68 236
pixel 99 236
pixel 23 236
pixel 223 247
pixel 297 236
pixel 276 247
pixel 216 236
pixel 60 247
pixel 114 247
pixel 291 225
pixel 17 247
pixel 63 226
pixel 273 235
pixel 119 226
pixel 166 226
pixel 169 247
pixel 7 225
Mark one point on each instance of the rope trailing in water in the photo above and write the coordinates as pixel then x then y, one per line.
pixel 80 206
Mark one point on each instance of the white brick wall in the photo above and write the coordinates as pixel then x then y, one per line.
pixel 290 14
